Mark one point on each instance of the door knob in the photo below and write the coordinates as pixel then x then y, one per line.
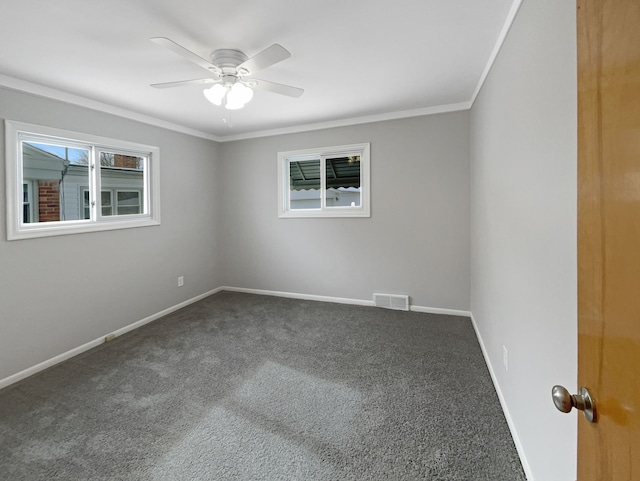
pixel 583 402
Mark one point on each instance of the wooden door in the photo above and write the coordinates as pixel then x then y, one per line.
pixel 609 237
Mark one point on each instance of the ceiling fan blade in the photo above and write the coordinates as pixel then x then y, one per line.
pixel 275 87
pixel 182 83
pixel 269 56
pixel 186 54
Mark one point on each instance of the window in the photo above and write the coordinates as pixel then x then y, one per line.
pixel 61 182
pixel 326 182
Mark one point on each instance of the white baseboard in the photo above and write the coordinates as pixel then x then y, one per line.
pixel 295 295
pixel 438 310
pixel 7 381
pixel 341 300
pixel 503 403
pixel 96 342
pixel 167 311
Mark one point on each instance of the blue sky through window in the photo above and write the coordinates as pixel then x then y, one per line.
pixel 75 156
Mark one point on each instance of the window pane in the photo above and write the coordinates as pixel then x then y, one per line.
pixel 128 203
pixel 55 173
pixel 304 184
pixel 343 181
pixel 123 174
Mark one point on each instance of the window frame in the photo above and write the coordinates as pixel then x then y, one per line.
pixel 284 160
pixel 17 132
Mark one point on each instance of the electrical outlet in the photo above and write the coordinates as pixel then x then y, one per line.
pixel 505 358
pixel 180 281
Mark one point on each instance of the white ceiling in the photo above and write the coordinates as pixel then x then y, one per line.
pixel 354 58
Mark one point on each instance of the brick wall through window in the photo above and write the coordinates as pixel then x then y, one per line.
pixel 49 200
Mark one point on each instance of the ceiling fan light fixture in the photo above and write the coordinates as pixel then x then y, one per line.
pixel 231 105
pixel 233 98
pixel 215 94
pixel 240 93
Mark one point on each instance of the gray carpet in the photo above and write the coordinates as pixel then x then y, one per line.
pixel 246 387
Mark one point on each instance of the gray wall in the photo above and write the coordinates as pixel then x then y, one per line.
pixel 416 241
pixel 523 235
pixel 57 293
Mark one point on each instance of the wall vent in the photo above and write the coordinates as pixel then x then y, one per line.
pixel 391 301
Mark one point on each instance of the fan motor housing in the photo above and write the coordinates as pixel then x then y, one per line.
pixel 227 58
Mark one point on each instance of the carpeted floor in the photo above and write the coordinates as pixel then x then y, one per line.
pixel 246 387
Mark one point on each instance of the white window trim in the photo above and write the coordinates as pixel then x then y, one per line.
pixel 16 229
pixel 364 210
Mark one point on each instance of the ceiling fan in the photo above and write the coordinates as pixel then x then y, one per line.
pixel 231 73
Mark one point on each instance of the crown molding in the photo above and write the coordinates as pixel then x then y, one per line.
pixel 39 90
pixel 515 7
pixel 350 121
